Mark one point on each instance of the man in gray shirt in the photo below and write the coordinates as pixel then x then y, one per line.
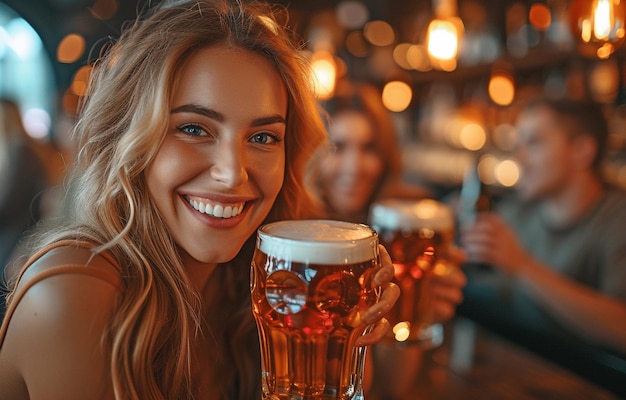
pixel 558 247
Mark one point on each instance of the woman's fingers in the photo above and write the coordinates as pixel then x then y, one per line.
pixel 379 330
pixel 389 295
pixel 388 298
pixel 385 272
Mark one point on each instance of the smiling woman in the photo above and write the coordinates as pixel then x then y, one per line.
pixel 141 293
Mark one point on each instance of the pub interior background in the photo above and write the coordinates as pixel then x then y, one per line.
pixel 453 92
pixel 449 101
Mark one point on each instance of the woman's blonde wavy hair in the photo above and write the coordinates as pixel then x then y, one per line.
pixel 121 125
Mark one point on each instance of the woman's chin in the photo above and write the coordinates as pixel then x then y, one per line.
pixel 220 257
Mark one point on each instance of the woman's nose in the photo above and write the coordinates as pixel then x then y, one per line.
pixel 352 162
pixel 229 165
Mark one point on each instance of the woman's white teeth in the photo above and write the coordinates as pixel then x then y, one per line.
pixel 228 212
pixel 217 210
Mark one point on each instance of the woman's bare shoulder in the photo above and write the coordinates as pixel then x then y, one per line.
pixel 54 336
pixel 69 255
pixel 61 288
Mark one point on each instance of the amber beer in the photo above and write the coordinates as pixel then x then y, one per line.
pixel 417 234
pixel 310 285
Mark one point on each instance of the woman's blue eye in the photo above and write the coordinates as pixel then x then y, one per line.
pixel 191 129
pixel 264 138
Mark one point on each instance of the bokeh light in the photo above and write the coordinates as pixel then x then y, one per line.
pixel 400 55
pixel 604 81
pixel 324 74
pixel 401 331
pixel 472 136
pixel 442 40
pixel 507 173
pixel 80 81
pixel 501 89
pixel 37 122
pixel 417 57
pixel 352 14
pixel 71 48
pixel 598 26
pixel 540 17
pixel 379 33
pixel 104 9
pixel 487 165
pixel 356 44
pixel 397 96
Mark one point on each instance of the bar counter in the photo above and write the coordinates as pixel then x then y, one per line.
pixel 475 363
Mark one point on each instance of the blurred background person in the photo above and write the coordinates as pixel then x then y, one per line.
pixel 363 165
pixel 24 179
pixel 557 244
pixel 364 162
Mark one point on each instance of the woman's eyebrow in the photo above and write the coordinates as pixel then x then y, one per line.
pixel 274 119
pixel 198 109
pixel 219 117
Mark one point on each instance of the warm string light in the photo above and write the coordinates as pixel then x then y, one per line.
pixel 444 35
pixel 598 26
pixel 324 73
pixel 443 41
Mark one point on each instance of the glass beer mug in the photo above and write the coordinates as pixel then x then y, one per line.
pixel 311 282
pixel 417 234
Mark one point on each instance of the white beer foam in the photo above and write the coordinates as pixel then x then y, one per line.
pixel 318 241
pixel 412 214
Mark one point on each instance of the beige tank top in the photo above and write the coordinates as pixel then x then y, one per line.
pixel 109 273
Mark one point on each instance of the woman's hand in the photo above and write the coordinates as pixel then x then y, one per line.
pixel 390 293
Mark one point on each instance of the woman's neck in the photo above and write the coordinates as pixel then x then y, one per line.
pixel 198 272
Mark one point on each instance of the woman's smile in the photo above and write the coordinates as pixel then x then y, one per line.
pixel 215 209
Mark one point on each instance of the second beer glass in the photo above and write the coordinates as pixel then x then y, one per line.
pixel 311 282
pixel 417 234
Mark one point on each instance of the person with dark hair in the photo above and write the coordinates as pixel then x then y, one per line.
pixel 197 127
pixel 363 165
pixel 557 245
